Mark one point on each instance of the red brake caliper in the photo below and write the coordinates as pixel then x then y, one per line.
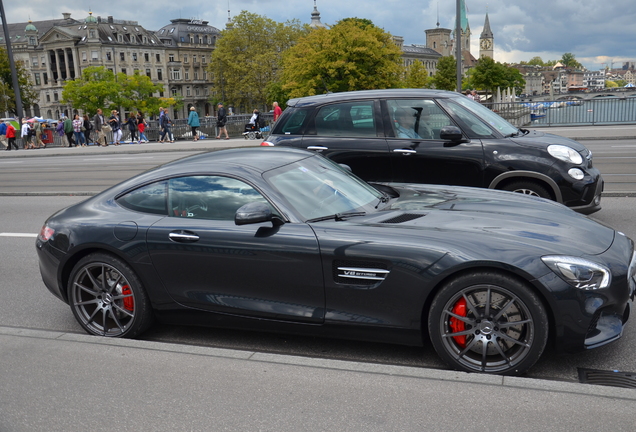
pixel 129 302
pixel 458 325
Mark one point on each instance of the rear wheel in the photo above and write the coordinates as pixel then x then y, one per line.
pixel 107 298
pixel 488 322
pixel 528 188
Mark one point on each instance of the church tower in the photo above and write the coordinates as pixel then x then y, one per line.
pixel 486 41
pixel 315 18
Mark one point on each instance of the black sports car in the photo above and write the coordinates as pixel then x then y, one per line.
pixel 286 240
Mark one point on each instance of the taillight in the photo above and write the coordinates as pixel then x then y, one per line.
pixel 46 233
pixel 267 144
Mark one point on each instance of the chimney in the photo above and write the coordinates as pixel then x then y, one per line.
pixel 66 15
pixel 110 19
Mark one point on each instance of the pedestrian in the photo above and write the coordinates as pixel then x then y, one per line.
pixel 193 122
pixel 221 120
pixel 277 111
pixel 3 134
pixel 25 134
pixel 476 96
pixel 78 133
pixel 88 127
pixel 115 125
pixel 11 136
pixel 68 131
pixel 132 128
pixel 100 122
pixel 141 127
pixel 166 125
pixel 469 95
pixel 37 129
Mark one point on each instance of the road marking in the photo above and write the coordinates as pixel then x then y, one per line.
pixel 118 158
pixel 18 235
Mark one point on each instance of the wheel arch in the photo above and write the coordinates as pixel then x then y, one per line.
pixel 518 276
pixel 509 177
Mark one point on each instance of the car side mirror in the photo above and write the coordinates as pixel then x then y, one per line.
pixel 255 212
pixel 452 134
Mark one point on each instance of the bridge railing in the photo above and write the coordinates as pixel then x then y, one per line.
pixel 597 111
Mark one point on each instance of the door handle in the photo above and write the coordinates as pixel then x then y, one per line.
pixel 317 148
pixel 183 237
pixel 405 152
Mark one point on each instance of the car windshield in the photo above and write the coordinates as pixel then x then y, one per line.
pixel 317 188
pixel 486 115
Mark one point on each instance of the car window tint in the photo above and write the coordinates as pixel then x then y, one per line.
pixel 475 109
pixel 417 118
pixel 351 119
pixel 210 197
pixel 291 124
pixel 472 125
pixel 147 199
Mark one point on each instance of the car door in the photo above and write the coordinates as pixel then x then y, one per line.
pixel 419 155
pixel 351 133
pixel 208 262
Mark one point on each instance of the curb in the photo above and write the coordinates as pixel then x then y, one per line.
pixel 343 365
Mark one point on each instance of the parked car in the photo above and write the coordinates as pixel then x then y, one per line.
pixel 279 239
pixel 455 141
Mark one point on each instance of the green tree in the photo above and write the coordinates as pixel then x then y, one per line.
pixel 137 93
pixel 95 88
pixel 570 62
pixel 417 76
pixel 354 54
pixel 247 58
pixel 446 76
pixel 27 94
pixel 536 61
pixel 489 75
pixel 610 84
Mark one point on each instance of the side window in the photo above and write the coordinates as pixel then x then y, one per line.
pixel 146 199
pixel 351 119
pixel 292 123
pixel 417 118
pixel 473 125
pixel 209 197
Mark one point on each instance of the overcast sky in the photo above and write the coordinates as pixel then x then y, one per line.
pixel 595 32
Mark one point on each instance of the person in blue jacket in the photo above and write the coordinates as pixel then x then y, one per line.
pixel 193 122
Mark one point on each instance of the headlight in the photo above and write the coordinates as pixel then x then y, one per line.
pixel 579 272
pixel 565 153
pixel 576 174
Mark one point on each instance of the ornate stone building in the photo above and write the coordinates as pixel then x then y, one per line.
pixel 56 51
pixel 486 41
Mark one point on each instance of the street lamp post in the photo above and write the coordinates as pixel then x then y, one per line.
pixel 14 74
pixel 458 44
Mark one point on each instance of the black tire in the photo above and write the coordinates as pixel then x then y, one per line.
pixel 528 188
pixel 484 337
pixel 107 298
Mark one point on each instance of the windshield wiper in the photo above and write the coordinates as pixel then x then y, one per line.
pixel 337 216
pixel 383 199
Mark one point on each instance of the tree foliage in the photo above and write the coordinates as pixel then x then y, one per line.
pixel 354 54
pixel 95 88
pixel 446 76
pixel 570 62
pixel 137 92
pixel 247 59
pixel 489 75
pixel 417 76
pixel 27 94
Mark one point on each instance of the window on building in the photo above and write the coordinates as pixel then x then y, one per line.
pixel 120 38
pixel 175 74
pixel 134 56
pixel 174 92
pixel 187 74
pixel 45 78
pixel 148 73
pixel 185 58
pixel 94 55
pixel 37 79
pixel 91 33
pixel 122 56
pixel 196 75
pixel 48 97
pixel 123 70
pixel 108 56
pixel 55 97
pixel 158 57
pixel 83 56
pixel 147 57
pixel 196 91
pixel 170 57
pixel 187 91
pixel 34 61
pixel 159 74
pixel 191 39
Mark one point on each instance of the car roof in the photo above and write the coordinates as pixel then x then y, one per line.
pixel 369 94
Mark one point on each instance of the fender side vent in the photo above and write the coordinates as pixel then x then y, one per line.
pixel 607 378
pixel 402 218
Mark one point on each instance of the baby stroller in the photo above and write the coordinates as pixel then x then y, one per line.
pixel 254 130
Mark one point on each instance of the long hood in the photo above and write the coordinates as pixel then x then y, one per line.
pixel 475 214
pixel 543 140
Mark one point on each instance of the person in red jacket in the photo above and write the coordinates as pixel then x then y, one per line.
pixel 11 136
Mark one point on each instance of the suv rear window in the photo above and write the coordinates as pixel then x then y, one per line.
pixel 293 123
pixel 350 119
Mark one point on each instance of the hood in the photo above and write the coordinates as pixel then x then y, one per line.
pixel 489 214
pixel 543 140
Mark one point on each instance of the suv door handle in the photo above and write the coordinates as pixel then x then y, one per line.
pixel 318 148
pixel 405 152
pixel 183 237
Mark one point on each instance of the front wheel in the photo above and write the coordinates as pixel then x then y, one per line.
pixel 528 188
pixel 107 298
pixel 488 322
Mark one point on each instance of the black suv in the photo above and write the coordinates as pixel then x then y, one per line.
pixel 433 136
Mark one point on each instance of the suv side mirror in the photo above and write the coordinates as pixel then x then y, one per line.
pixel 452 134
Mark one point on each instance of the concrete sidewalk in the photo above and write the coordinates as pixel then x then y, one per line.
pixel 57 381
